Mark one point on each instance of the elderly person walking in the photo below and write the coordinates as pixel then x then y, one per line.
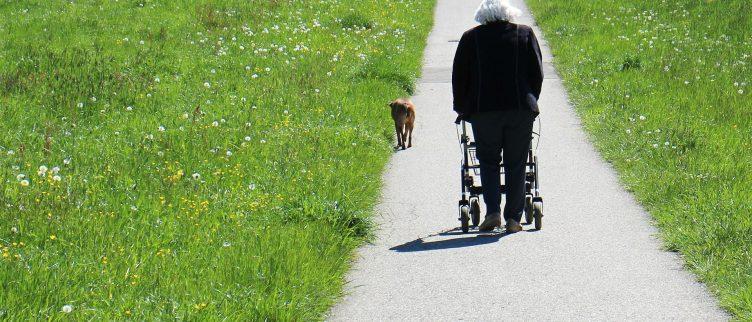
pixel 496 82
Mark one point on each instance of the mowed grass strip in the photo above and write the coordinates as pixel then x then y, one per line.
pixel 665 87
pixel 193 159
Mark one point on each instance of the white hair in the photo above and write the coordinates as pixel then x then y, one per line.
pixel 496 10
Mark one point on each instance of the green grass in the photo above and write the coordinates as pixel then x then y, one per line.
pixel 212 159
pixel 664 88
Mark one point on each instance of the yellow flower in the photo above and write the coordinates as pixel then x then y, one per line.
pixel 53 237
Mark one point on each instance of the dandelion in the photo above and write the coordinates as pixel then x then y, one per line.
pixel 226 244
pixel 67 161
pixel 248 139
pixel 263 141
pixel 196 176
pixel 254 76
pixel 655 145
pixel 20 177
pixel 161 128
pixel 53 237
pixel 252 186
pixel 741 91
pixel 629 131
pixel 268 69
pixel 129 108
pixel 207 85
pixel 247 68
pixel 13 230
pixel 134 208
pixel 11 152
pixel 215 124
pixel 42 170
pixel 156 79
pixel 642 117
pixel 286 112
pixel 80 105
pixel 57 178
pixel 228 153
pixel 55 170
pixel 213 71
pixel 666 143
pixel 69 308
pixel 24 183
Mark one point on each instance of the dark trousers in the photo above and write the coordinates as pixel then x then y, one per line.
pixel 508 131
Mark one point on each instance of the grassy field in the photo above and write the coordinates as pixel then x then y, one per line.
pixel 193 159
pixel 664 87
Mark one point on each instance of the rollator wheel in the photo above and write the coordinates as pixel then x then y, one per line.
pixel 538 214
pixel 465 218
pixel 528 210
pixel 475 212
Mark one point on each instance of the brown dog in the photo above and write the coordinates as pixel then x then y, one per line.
pixel 403 114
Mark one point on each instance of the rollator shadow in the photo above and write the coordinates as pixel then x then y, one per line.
pixel 480 238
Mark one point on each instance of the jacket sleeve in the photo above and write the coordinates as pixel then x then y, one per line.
pixel 535 64
pixel 461 73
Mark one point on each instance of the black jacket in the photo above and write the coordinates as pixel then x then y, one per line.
pixel 497 67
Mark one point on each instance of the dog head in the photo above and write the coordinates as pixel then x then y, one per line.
pixel 399 107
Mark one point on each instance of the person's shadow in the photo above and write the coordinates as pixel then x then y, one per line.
pixel 473 238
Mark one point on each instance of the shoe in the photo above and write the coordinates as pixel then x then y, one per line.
pixel 513 226
pixel 490 222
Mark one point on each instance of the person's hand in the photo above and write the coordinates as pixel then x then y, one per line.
pixel 460 117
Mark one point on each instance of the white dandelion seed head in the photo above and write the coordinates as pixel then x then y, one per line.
pixel 67 308
pixel 642 117
pixel 226 244
pixel 57 178
pixel 161 128
pixel 196 176
pixel 129 108
pixel 20 177
pixel 247 138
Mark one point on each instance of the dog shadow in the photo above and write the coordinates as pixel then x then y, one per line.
pixel 470 239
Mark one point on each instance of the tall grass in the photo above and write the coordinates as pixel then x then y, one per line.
pixel 664 88
pixel 193 159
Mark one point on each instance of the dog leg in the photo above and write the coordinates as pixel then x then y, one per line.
pixel 410 137
pixel 399 135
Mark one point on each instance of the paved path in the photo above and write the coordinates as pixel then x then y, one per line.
pixel 597 257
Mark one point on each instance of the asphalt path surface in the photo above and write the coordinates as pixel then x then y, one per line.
pixel 597 257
